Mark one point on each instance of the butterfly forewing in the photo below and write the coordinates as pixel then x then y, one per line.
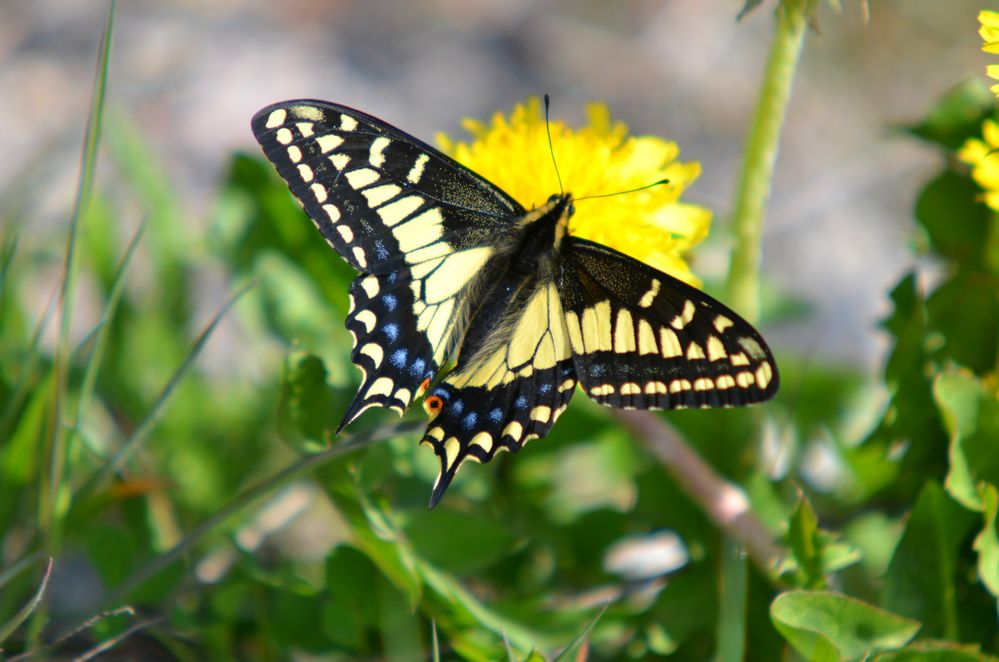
pixel 642 339
pixel 393 207
pixel 380 197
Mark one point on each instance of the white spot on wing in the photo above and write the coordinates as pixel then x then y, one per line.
pixel 376 155
pixel 361 177
pixel 276 118
pixel 417 170
pixel 347 123
pixel 329 142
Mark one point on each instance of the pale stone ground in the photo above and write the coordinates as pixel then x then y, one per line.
pixel 192 73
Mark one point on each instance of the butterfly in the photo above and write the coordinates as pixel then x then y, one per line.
pixel 451 268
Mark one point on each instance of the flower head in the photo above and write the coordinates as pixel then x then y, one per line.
pixel 989 30
pixel 983 156
pixel 651 225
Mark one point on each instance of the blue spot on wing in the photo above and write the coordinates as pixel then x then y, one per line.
pixel 398 358
pixel 457 406
pixel 391 330
pixel 390 302
pixel 417 367
pixel 380 250
pixel 545 388
pixel 598 369
pixel 496 415
pixel 520 403
pixel 470 420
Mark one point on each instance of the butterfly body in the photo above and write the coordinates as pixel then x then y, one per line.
pixel 452 268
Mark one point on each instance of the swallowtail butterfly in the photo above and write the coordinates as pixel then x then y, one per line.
pixel 451 267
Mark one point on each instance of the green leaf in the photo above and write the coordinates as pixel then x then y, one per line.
pixel 987 541
pixel 829 626
pixel 936 651
pixel 964 314
pixel 348 612
pixel 815 553
pixel 459 542
pixel 304 419
pixel 921 578
pixel 953 217
pixel 971 414
pixel 295 618
pixel 912 417
pixel 748 6
pixel 957 116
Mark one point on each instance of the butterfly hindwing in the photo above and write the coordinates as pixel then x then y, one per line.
pixel 383 199
pixel 509 388
pixel 642 339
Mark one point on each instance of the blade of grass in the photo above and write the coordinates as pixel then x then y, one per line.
pixel 6 259
pixel 147 424
pixel 254 492
pixel 732 601
pixel 101 330
pixel 43 651
pixel 27 370
pixel 20 617
pixel 582 640
pixel 108 644
pixel 55 451
pixel 18 568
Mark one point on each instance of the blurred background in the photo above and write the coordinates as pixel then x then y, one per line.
pixel 189 75
pixel 529 545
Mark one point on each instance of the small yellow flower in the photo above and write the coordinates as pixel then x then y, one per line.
pixel 989 31
pixel 983 156
pixel 652 225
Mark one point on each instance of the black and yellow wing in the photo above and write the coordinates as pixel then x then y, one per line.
pixel 450 262
pixel 418 226
pixel 642 339
pixel 513 380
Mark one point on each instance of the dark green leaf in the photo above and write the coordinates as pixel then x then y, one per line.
pixel 921 582
pixel 304 419
pixel 957 116
pixel 458 542
pixel 953 217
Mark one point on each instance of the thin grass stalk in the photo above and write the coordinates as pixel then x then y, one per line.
pixel 250 495
pixel 146 426
pixel 55 451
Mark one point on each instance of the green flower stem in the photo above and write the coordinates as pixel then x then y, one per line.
pixel 743 286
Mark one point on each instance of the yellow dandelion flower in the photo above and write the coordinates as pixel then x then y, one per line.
pixel 989 30
pixel 983 156
pixel 651 225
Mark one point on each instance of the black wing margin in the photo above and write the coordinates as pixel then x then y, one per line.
pixel 642 339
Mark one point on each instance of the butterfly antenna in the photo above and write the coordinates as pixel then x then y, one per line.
pixel 551 149
pixel 631 190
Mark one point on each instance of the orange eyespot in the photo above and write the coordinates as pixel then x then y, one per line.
pixel 433 406
pixel 423 387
